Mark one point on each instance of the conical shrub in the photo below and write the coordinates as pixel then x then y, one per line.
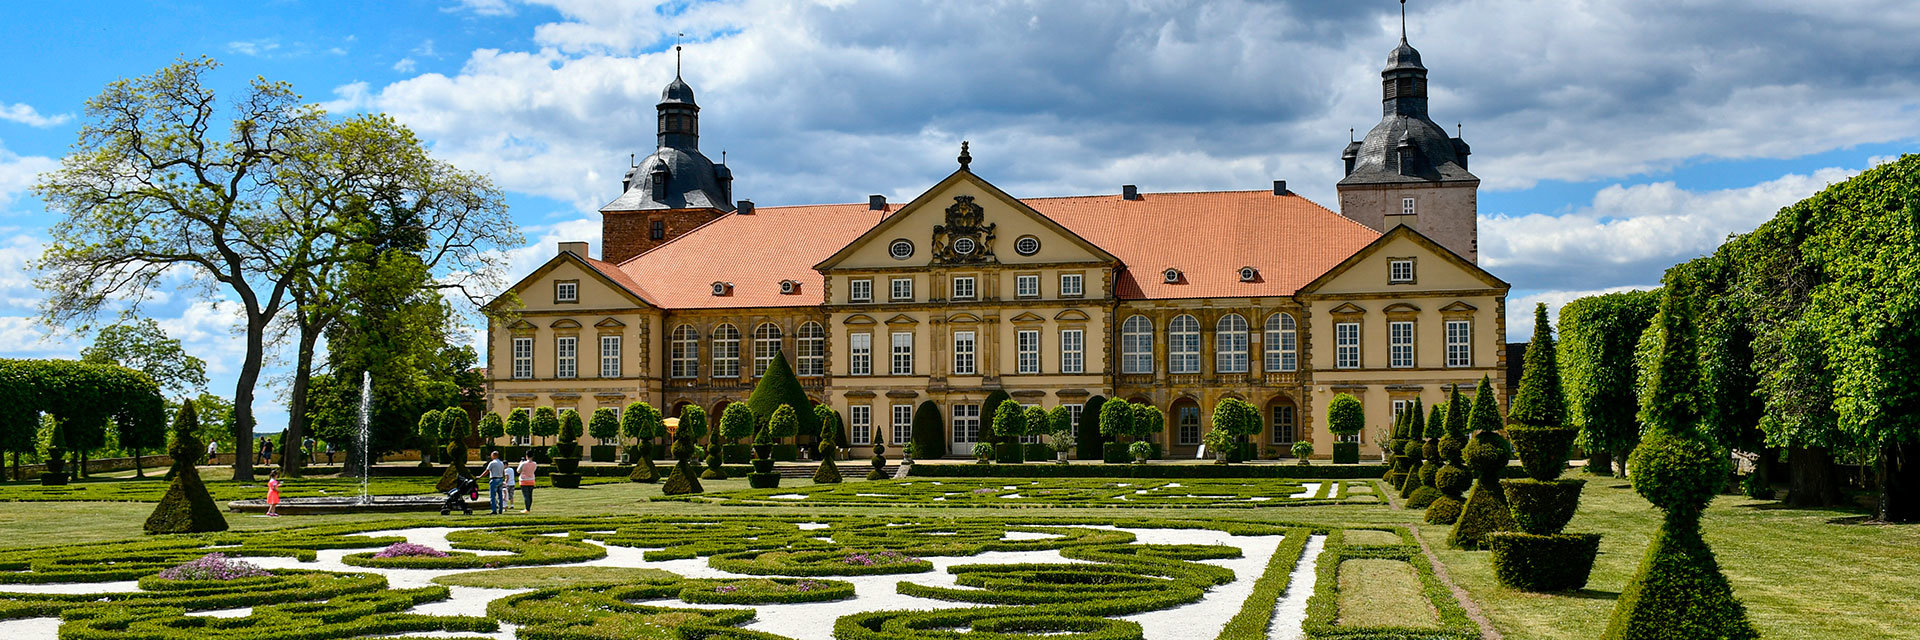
pixel 186 507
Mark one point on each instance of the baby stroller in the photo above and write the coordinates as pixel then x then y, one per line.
pixel 463 490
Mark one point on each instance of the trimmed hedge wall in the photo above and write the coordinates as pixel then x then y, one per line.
pixel 1558 562
pixel 1323 609
pixel 1287 471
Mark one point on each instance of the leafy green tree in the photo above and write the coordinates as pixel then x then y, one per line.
pixel 929 431
pixel 519 423
pixel 1345 415
pixel 604 427
pixel 1060 427
pixel 830 422
pixel 641 422
pixel 143 346
pixel 780 388
pixel 1540 401
pixel 570 426
pixel 989 409
pixel 546 424
pixel 736 422
pixel 426 436
pixel 492 427
pixel 1116 420
pixel 1036 421
pixel 1010 422
pixel 784 422
pixel 1598 338
pixel 1236 418
pixel 693 422
pixel 1148 421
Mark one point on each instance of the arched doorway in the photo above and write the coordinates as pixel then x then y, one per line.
pixel 1283 427
pixel 1183 428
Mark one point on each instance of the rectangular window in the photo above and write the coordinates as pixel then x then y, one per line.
pixel 1073 412
pixel 860 290
pixel 860 348
pixel 1283 424
pixel 1407 206
pixel 657 230
pixel 963 288
pixel 1026 286
pixel 1400 344
pixel 609 356
pixel 1186 422
pixel 522 358
pixel 1027 346
pixel 1399 271
pixel 902 424
pixel 860 423
pixel 966 423
pixel 1071 285
pixel 1346 345
pixel 1073 351
pixel 963 353
pixel 902 288
pixel 566 291
pixel 1399 407
pixel 1459 343
pixel 565 356
pixel 903 354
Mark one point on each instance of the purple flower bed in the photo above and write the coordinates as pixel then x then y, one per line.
pixel 214 566
pixel 808 585
pixel 877 558
pixel 409 550
pixel 725 588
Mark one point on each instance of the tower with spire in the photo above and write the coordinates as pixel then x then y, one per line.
pixel 1407 170
pixel 671 191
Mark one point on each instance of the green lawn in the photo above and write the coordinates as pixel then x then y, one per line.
pixel 1801 573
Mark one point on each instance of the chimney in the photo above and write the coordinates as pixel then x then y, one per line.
pixel 575 248
pixel 1279 187
pixel 1129 192
pixel 876 203
pixel 743 207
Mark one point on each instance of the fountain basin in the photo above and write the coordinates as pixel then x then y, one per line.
pixel 374 504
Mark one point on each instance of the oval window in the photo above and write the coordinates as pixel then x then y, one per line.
pixel 900 249
pixel 1027 245
pixel 964 246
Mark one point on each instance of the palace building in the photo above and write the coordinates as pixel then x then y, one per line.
pixel 1173 299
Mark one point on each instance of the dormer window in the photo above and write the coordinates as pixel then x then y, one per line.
pixel 722 288
pixel 789 287
pixel 1249 274
pixel 1170 276
pixel 1407 206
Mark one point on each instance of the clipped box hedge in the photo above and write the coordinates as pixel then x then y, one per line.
pixel 1558 562
pixel 1288 471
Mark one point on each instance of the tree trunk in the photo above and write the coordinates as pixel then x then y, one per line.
pixel 1813 482
pixel 243 398
pixel 1620 462
pixel 1899 483
pixel 80 470
pixel 138 470
pixel 295 435
pixel 1600 462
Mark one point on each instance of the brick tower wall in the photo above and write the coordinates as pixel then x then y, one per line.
pixel 625 234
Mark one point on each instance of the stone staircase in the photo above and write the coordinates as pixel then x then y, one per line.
pixel 849 469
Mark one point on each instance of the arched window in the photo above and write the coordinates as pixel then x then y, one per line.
pixel 813 349
pixel 726 351
pixel 684 352
pixel 1136 345
pixel 1282 344
pixel 766 343
pixel 1230 344
pixel 1183 345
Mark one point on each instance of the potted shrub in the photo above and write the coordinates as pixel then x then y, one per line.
pixel 1061 427
pixel 1345 417
pixel 906 452
pixel 736 423
pixel 1009 425
pixel 1234 419
pixel 1038 424
pixel 1141 451
pixel 1219 442
pixel 605 429
pixel 1303 451
pixel 982 453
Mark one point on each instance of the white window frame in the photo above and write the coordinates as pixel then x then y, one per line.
pixel 1026 285
pixel 901 363
pixel 1291 424
pixel 900 289
pixel 964 363
pixel 1459 343
pixel 766 343
pixel 1072 285
pixel 811 343
pixel 902 424
pixel 1136 345
pixel 1281 344
pixel 860 354
pixel 523 358
pixel 1183 436
pixel 1230 344
pixel 1346 345
pixel 1027 351
pixel 725 349
pixel 610 357
pixel 1183 345
pixel 1399 271
pixel 1073 414
pixel 860 290
pixel 1073 351
pixel 963 288
pixel 1408 206
pixel 566 356
pixel 684 352
pixel 966 423
pixel 860 424
pixel 1400 344
pixel 566 292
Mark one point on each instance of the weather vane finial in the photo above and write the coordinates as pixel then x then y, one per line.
pixel 965 158
pixel 678 36
pixel 1403 21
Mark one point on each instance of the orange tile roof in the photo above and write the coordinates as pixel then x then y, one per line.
pixel 1209 236
pixel 754 252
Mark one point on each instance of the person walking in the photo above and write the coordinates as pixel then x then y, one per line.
pixel 330 451
pixel 497 488
pixel 527 467
pixel 213 450
pixel 273 493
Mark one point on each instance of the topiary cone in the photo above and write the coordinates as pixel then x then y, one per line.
pixel 186 507
pixel 1486 508
pixel 644 471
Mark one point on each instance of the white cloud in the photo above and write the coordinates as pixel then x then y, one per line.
pixel 253 47
pixel 405 65
pixel 1520 308
pixel 425 49
pixel 18 173
pixel 347 98
pixel 492 8
pixel 211 330
pixel 25 114
pixel 24 337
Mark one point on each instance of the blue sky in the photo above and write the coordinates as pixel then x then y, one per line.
pixel 1613 137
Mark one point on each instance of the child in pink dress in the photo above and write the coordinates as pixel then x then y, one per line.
pixel 273 493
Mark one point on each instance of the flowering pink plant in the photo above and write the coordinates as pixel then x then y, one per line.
pixel 214 566
pixel 725 588
pixel 877 558
pixel 409 550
